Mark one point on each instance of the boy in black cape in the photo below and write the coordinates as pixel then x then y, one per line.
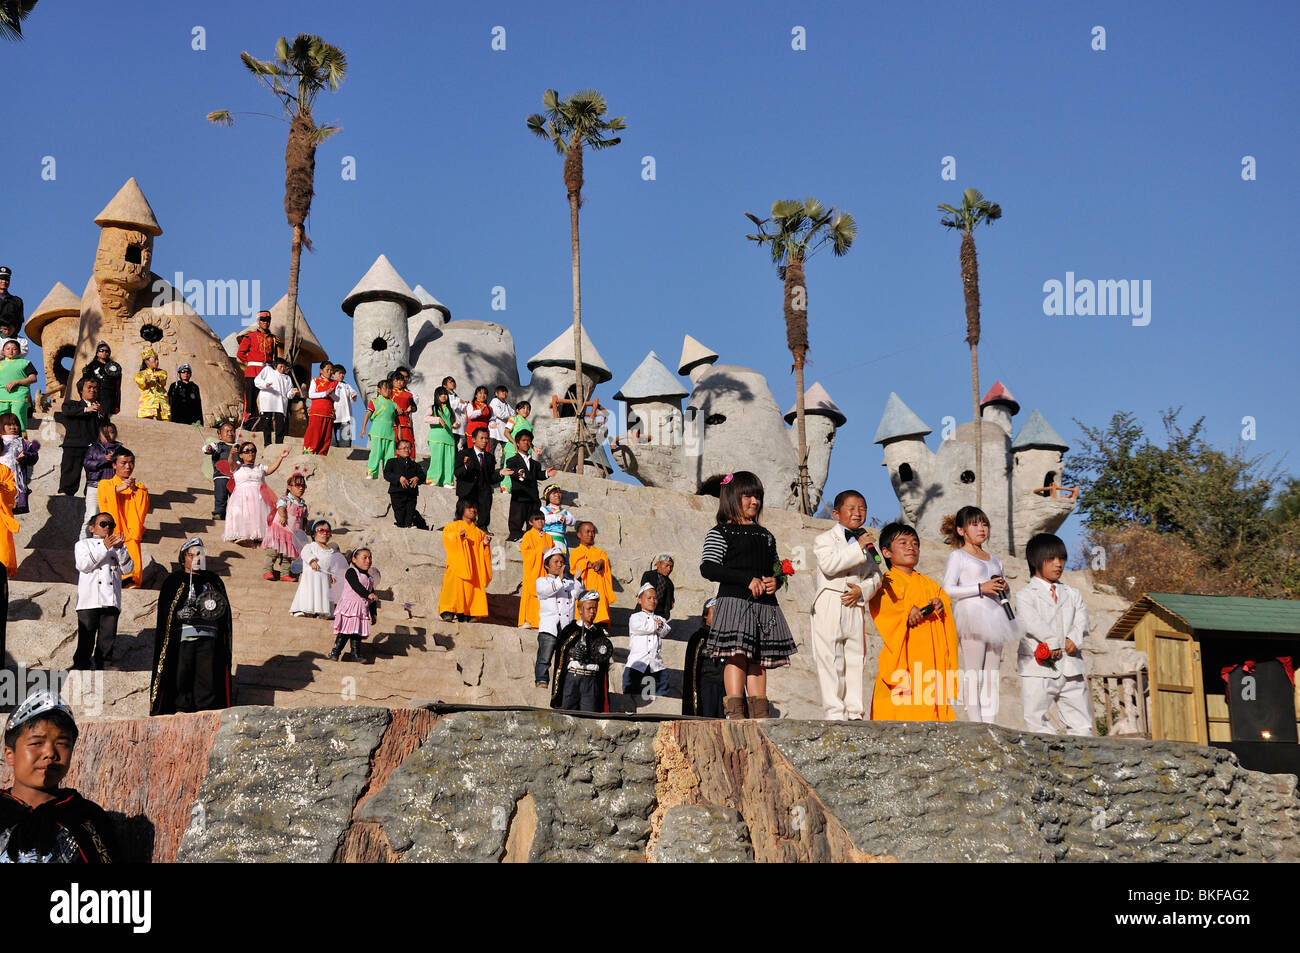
pixel 702 688
pixel 583 651
pixel 41 822
pixel 192 639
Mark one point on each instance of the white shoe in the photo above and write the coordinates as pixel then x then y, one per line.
pixel 298 614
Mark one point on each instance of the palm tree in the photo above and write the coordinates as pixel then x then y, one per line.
pixel 801 229
pixel 975 210
pixel 297 74
pixel 571 125
pixel 12 15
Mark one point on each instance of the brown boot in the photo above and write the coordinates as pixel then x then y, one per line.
pixel 733 707
pixel 758 707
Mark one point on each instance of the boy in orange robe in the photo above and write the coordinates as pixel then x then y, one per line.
pixel 917 672
pixel 590 567
pixel 533 548
pixel 469 567
pixel 128 503
pixel 9 525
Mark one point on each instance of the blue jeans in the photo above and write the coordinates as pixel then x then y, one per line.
pixel 545 651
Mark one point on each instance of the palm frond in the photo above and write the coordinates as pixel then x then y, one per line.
pixel 221 117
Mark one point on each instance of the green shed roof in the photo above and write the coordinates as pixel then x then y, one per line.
pixel 1215 614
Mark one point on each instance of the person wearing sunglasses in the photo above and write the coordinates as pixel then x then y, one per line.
pixel 102 560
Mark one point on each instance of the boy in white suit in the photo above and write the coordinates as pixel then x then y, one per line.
pixel 1052 615
pixel 847 577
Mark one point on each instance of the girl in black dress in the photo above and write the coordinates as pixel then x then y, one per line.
pixel 748 632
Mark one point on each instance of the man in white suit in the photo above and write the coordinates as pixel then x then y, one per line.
pixel 1053 616
pixel 847 576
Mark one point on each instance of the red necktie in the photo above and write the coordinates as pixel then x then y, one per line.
pixel 1053 592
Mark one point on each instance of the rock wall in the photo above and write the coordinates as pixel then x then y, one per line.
pixel 355 783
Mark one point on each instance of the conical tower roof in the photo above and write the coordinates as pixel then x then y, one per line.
pixel 131 209
pixel 61 302
pixel 428 301
pixel 899 421
pixel 817 401
pixel 1038 434
pixel 381 283
pixel 650 379
pixel 559 353
pixel 694 353
pixel 998 394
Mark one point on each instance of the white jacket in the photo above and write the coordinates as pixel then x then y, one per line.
pixel 646 632
pixel 841 562
pixel 273 389
pixel 99 584
pixel 555 595
pixel 1053 623
pixel 344 395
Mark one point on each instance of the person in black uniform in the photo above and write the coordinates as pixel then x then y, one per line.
pixel 658 577
pixel 583 651
pixel 192 639
pixel 11 306
pixel 184 398
pixel 477 476
pixel 405 476
pixel 81 422
pixel 701 675
pixel 525 474
pixel 108 373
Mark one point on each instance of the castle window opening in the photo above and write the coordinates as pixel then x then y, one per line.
pixel 379 344
pixel 905 474
pixel 135 254
pixel 967 476
pixel 63 363
pixel 714 419
pixel 151 333
pixel 1048 482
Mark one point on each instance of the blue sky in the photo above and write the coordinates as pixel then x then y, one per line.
pixel 1116 164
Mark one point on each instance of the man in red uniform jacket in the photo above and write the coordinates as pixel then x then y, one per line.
pixel 257 348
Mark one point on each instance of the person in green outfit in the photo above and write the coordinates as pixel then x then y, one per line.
pixel 442 441
pixel 381 415
pixel 16 373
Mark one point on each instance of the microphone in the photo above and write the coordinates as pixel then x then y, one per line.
pixel 870 549
pixel 1006 603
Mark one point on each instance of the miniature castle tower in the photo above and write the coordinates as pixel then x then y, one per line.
pixel 654 403
pixel 130 308
pixel 1038 459
pixel 696 359
pixel 902 436
pixel 379 306
pixel 53 328
pixel 553 367
pixel 821 418
pixel 998 407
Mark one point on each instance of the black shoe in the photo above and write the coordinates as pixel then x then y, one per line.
pixel 338 648
pixel 513 539
pixel 464 618
pixel 448 617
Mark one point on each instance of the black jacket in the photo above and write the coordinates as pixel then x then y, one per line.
pixel 527 487
pixel 66 830
pixel 80 426
pixel 398 467
pixel 11 307
pixel 472 481
pixel 185 402
pixel 664 591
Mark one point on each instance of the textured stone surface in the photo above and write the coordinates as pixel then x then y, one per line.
pixel 699 833
pixel 972 792
pixel 282 783
pixel 459 796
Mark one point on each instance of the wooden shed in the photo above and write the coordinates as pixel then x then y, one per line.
pixel 1194 645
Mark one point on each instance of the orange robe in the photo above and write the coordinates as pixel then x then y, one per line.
pixel 533 547
pixel 128 511
pixel 580 560
pixel 469 570
pixel 916 674
pixel 8 525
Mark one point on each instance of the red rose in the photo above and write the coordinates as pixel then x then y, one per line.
pixel 1043 655
pixel 787 568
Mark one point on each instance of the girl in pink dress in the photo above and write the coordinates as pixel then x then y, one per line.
pixel 356 608
pixel 286 532
pixel 249 509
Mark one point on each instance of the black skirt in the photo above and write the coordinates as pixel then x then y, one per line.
pixel 756 630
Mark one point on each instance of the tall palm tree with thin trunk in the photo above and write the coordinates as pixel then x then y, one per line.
pixel 572 125
pixel 297 74
pixel 800 230
pixel 975 210
pixel 12 15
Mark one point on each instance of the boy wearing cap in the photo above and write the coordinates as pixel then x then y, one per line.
pixel 556 594
pixel 657 576
pixel 184 398
pixel 11 310
pixel 257 349
pixel 40 822
pixel 582 656
pixel 646 632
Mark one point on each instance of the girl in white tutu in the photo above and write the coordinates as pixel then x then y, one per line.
pixel 318 575
pixel 973 580
pixel 357 606
pixel 287 531
pixel 251 501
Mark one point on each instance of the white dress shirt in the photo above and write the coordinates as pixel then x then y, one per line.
pixel 344 395
pixel 555 595
pixel 99 583
pixel 273 390
pixel 645 643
